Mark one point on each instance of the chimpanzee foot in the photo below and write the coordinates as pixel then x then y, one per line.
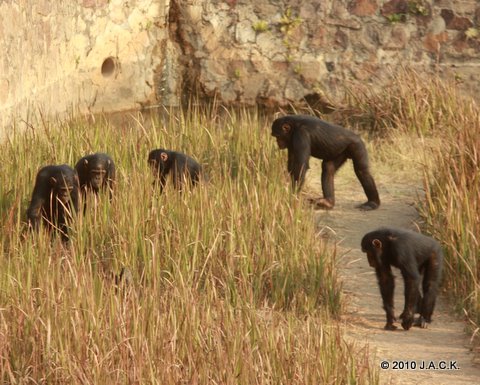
pixel 390 326
pixel 321 203
pixel 421 323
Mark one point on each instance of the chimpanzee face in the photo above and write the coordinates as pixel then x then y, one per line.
pixel 62 189
pixel 63 193
pixel 374 250
pixel 97 177
pixel 152 162
pixel 371 258
pixel 282 143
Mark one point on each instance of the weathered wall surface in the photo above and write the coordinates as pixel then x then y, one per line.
pixel 94 55
pixel 53 53
pixel 276 52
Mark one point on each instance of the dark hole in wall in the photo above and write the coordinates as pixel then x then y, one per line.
pixel 109 66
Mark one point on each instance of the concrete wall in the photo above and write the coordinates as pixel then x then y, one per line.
pixel 53 53
pixel 104 55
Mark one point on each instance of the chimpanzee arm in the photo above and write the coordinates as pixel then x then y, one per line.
pixel 163 181
pixel 298 156
pixel 411 278
pixel 290 162
pixel 387 286
pixel 75 196
pixel 34 211
pixel 39 196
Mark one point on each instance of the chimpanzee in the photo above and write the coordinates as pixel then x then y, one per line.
pixel 95 172
pixel 54 198
pixel 306 136
pixel 183 168
pixel 414 254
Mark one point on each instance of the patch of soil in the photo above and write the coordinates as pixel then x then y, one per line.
pixel 444 342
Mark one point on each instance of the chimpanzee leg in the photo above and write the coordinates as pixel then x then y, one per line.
pixel 359 156
pixel 418 308
pixel 329 168
pixel 328 172
pixel 431 280
pixel 387 286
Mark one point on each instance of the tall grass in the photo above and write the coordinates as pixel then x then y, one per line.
pixel 452 205
pixel 411 103
pixel 430 109
pixel 231 283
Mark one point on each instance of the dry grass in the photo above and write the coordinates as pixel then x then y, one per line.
pixel 452 207
pixel 231 284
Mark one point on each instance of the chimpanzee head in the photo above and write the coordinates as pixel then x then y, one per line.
pixel 159 160
pixel 374 248
pixel 97 172
pixel 281 130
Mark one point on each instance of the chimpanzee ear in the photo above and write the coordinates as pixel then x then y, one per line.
pixel 53 181
pixel 286 128
pixel 377 243
pixel 108 162
pixel 164 156
pixel 85 163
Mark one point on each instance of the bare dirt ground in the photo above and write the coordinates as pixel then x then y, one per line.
pixel 445 342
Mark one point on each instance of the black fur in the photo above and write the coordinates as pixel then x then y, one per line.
pixel 304 136
pixel 182 168
pixel 54 198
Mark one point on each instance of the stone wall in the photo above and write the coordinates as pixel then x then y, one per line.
pixel 90 55
pixel 104 55
pixel 277 52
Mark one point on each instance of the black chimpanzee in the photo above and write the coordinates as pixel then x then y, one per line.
pixel 414 254
pixel 54 198
pixel 95 172
pixel 306 136
pixel 182 168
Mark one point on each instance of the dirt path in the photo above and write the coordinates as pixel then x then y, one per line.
pixel 444 342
